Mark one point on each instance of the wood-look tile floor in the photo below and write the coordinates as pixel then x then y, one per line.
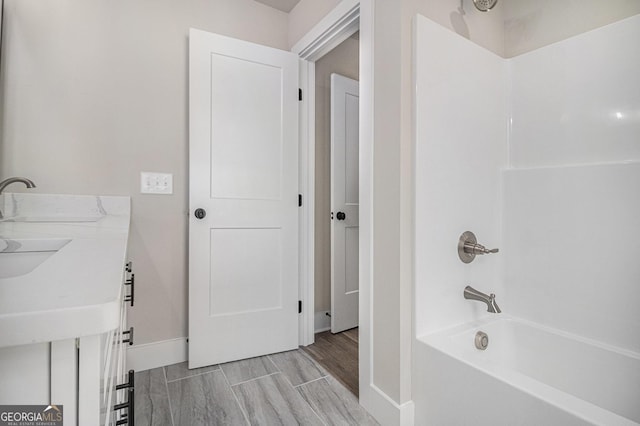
pixel 287 388
pixel 338 354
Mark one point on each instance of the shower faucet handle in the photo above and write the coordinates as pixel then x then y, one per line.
pixel 475 248
pixel 468 247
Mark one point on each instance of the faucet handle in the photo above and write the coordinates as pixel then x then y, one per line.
pixel 475 248
pixel 468 247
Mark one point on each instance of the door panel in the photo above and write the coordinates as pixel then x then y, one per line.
pixel 248 111
pixel 344 200
pixel 243 161
pixel 231 282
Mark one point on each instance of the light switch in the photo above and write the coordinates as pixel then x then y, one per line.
pixel 156 183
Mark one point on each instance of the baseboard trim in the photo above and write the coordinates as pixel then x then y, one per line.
pixel 385 410
pixel 157 354
pixel 321 322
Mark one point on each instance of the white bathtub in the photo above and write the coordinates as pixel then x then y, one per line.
pixel 528 375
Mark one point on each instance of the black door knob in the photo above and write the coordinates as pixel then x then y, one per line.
pixel 341 216
pixel 200 213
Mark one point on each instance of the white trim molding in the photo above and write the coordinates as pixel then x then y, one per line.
pixel 157 354
pixel 338 25
pixel 307 189
pixel 386 411
pixel 333 29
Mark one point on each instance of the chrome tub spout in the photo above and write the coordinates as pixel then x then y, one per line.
pixel 473 294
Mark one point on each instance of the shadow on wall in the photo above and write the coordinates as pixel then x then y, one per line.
pixel 458 23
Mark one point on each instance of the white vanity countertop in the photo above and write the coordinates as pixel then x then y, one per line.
pixel 77 291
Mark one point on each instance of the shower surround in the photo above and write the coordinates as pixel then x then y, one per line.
pixel 538 155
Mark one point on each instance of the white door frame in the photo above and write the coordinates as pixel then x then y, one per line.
pixel 335 27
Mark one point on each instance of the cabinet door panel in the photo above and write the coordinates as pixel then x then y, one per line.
pixel 64 371
pixel 25 374
pixel 89 380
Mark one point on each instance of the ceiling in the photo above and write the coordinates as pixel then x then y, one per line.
pixel 283 5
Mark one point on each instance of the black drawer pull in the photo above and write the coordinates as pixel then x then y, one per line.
pixel 130 339
pixel 130 383
pixel 130 282
pixel 129 417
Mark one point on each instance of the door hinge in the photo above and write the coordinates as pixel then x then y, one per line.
pixel 299 94
pixel 299 200
pixel 299 306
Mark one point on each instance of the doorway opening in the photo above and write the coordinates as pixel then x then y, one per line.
pixel 336 232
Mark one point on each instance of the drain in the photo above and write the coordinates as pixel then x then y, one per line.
pixel 481 340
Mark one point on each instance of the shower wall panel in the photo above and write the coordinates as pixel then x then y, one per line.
pixel 460 105
pixel 572 199
pixel 578 101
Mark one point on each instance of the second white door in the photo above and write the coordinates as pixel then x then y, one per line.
pixel 243 229
pixel 344 202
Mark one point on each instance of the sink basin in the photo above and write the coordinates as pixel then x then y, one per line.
pixel 19 257
pixel 49 219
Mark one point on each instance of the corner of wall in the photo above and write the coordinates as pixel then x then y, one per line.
pixel 384 409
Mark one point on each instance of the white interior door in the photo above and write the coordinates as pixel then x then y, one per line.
pixel 243 161
pixel 344 203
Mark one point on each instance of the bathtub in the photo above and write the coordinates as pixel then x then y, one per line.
pixel 528 375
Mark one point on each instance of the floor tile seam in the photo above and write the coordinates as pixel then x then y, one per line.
pixel 287 379
pixel 316 365
pixel 274 363
pixel 193 375
pixel 244 414
pixel 293 388
pixel 319 366
pixel 333 390
pixel 310 381
pixel 296 388
pixel 296 391
pixel 256 378
pixel 166 386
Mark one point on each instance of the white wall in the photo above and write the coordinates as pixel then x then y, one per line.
pixel 572 202
pixel 529 25
pixel 461 145
pixel 343 59
pixel 95 92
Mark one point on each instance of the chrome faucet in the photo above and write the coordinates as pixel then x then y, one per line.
pixel 28 182
pixel 473 294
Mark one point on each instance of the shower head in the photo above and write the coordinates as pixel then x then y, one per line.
pixel 484 5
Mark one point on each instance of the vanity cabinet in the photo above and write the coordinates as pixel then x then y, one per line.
pixel 63 318
pixel 86 375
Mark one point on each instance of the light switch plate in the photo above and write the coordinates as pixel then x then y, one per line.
pixel 156 183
